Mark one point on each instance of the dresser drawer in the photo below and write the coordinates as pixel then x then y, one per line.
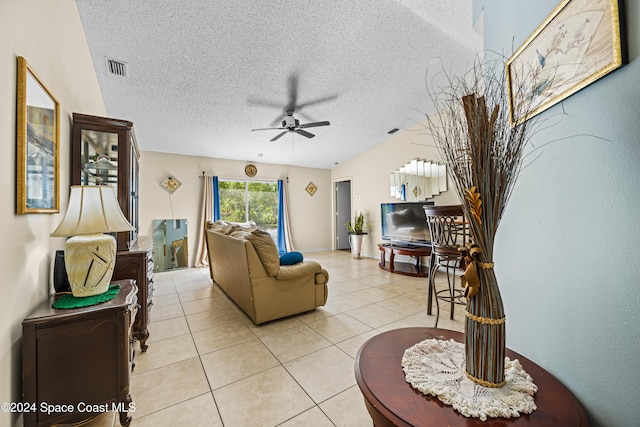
pixel 78 355
pixel 137 264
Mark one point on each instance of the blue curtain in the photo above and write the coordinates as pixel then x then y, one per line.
pixel 281 241
pixel 216 200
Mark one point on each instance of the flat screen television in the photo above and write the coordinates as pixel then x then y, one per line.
pixel 405 223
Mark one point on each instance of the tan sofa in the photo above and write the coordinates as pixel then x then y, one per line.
pixel 246 265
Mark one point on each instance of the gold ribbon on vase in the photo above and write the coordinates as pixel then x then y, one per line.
pixel 470 279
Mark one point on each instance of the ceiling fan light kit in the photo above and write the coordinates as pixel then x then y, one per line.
pixel 291 124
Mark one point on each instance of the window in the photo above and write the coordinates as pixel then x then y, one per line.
pixel 242 201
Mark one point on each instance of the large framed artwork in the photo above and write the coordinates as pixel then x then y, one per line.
pixel 38 145
pixel 577 44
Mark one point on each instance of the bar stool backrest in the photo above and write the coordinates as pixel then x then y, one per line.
pixel 448 229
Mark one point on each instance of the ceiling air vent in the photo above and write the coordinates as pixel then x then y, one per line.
pixel 119 68
pixel 392 131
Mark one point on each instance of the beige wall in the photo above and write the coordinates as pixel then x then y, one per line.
pixel 50 36
pixel 369 175
pixel 310 216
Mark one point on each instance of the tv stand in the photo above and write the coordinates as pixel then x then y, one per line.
pixel 406 268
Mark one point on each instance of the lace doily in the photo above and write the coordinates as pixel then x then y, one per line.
pixel 437 368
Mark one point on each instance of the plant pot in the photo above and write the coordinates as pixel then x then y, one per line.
pixel 356 241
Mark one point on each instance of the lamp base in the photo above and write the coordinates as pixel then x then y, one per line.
pixel 89 260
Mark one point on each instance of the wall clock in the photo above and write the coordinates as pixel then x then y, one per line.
pixel 250 170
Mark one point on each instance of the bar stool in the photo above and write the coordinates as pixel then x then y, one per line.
pixel 449 233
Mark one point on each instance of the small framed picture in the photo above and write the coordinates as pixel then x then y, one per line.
pixel 311 188
pixel 170 184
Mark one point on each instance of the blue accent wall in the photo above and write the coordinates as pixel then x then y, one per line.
pixel 566 251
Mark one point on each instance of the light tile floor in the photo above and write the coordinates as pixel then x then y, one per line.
pixel 209 365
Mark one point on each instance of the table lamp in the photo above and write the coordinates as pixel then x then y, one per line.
pixel 90 255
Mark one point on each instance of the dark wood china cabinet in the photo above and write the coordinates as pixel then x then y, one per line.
pixel 104 151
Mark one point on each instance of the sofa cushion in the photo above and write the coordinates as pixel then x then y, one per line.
pixel 291 258
pixel 266 249
pixel 239 233
pixel 248 226
pixel 221 227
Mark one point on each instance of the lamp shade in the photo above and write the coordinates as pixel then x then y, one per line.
pixel 92 209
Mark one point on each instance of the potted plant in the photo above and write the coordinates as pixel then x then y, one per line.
pixel 357 232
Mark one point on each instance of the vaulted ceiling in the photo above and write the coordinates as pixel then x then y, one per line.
pixel 201 74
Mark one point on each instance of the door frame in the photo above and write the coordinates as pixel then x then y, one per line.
pixel 334 208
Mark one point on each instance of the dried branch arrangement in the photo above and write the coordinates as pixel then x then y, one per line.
pixel 483 153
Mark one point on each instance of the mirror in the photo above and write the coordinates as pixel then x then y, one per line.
pixel 38 142
pixel 170 244
pixel 418 180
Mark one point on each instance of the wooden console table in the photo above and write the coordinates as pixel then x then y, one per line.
pixel 405 268
pixel 391 401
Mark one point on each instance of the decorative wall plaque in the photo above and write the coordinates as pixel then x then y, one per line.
pixel 311 188
pixel 170 184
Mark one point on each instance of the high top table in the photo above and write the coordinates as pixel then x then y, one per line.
pixel 391 401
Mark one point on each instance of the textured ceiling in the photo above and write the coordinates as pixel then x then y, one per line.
pixel 201 74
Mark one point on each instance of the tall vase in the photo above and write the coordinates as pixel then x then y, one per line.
pixel 485 333
pixel 356 241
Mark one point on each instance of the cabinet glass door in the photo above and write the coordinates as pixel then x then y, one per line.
pixel 99 158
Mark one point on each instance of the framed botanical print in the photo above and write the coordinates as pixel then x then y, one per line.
pixel 38 145
pixel 577 44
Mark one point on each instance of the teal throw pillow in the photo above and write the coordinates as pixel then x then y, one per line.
pixel 290 258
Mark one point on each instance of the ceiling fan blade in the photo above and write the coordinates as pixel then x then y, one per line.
pixel 313 125
pixel 263 103
pixel 278 135
pixel 293 94
pixel 304 133
pixel 277 120
pixel 305 116
pixel 268 129
pixel 317 101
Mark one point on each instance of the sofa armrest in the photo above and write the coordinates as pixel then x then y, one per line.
pixel 305 268
pixel 322 277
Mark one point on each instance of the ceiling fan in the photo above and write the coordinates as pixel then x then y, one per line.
pixel 291 124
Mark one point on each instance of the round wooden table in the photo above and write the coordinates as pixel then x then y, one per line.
pixel 391 401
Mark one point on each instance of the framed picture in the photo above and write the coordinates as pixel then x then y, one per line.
pixel 578 43
pixel 170 184
pixel 38 145
pixel 311 188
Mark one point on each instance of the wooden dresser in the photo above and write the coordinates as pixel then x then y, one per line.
pixel 77 363
pixel 137 264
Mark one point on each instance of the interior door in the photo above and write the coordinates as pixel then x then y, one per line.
pixel 343 213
